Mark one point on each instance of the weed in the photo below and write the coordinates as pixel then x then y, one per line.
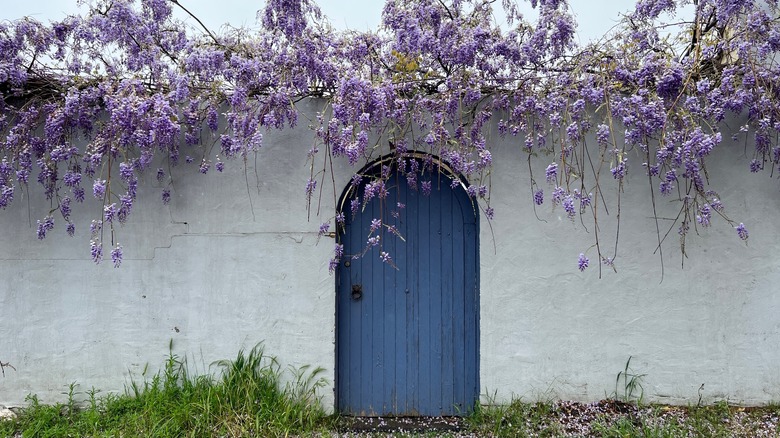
pixel 631 383
pixel 516 419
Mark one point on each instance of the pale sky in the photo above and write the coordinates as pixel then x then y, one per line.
pixel 594 17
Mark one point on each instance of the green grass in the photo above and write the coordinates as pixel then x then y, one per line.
pixel 252 396
pixel 247 398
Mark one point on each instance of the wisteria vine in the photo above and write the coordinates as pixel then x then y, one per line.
pixel 146 92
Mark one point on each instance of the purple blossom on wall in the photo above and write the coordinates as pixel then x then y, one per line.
pixel 99 189
pixel 65 207
pixel 310 186
pixel 602 134
pixel 619 171
pixel 568 206
pixel 324 227
pixel 44 226
pixel 96 249
pixel 109 212
pixel 538 197
pixel 704 216
pixel 582 262
pixel 116 255
pixel 742 231
pixel 551 173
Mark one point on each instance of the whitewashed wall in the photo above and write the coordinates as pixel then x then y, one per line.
pixel 215 272
pixel 549 331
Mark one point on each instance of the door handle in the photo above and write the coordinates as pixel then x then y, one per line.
pixel 357 291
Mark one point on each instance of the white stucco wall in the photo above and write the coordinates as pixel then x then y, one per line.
pixel 549 331
pixel 212 271
pixel 215 272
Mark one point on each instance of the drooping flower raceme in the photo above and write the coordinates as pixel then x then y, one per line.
pixel 438 78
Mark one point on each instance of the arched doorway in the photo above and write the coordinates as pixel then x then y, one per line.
pixel 407 335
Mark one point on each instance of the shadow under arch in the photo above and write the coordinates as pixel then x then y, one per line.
pixel 373 169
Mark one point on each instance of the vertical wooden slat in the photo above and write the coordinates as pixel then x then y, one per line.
pixel 374 294
pixel 401 289
pixel 447 322
pixel 460 336
pixel 426 231
pixel 471 312
pixel 389 316
pixel 412 302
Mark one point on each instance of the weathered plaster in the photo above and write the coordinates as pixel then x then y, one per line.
pixel 233 261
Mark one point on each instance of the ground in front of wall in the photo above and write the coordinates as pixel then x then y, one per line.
pixel 605 418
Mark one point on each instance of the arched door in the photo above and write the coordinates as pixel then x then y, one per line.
pixel 408 328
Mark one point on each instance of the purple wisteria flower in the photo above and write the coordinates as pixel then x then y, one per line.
pixel 742 231
pixel 65 207
pixel 568 206
pixel 538 197
pixel 45 226
pixel 704 216
pixel 99 189
pixel 311 185
pixel 96 249
pixel 324 227
pixel 582 262
pixel 116 255
pixel 619 171
pixel 109 212
pixel 602 134
pixel 426 188
pixel 551 173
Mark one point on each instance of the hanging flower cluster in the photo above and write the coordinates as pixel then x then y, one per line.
pixel 146 92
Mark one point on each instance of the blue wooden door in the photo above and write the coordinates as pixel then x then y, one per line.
pixel 408 329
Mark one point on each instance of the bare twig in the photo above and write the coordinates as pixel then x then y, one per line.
pixel 4 365
pixel 216 41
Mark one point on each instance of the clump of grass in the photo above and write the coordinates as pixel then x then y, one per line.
pixel 516 419
pixel 247 397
